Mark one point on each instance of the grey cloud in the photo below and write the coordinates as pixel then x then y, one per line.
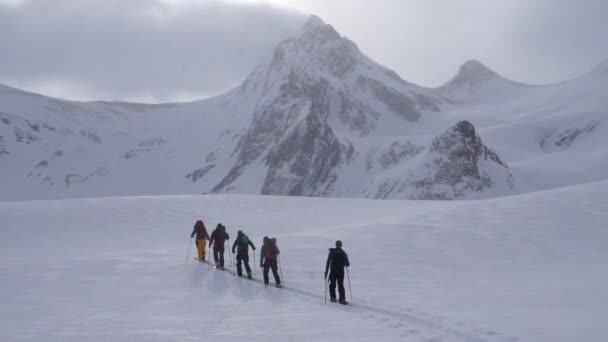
pixel 425 41
pixel 154 50
pixel 562 38
pixel 148 50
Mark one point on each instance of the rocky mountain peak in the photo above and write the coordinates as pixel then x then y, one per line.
pixel 463 149
pixel 472 72
pixel 317 31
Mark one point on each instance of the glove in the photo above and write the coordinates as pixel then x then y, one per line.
pixel 261 265
pixel 233 251
pixel 325 275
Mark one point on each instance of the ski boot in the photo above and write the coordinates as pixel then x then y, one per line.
pixel 333 299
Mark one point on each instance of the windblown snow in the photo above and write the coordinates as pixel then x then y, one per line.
pixel 523 268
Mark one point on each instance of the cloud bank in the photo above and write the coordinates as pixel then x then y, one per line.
pixel 136 50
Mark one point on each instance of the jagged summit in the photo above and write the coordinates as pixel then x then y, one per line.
pixel 475 81
pixel 472 72
pixel 316 31
pixel 317 36
pixel 314 22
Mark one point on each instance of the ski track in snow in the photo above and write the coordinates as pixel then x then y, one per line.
pixel 528 267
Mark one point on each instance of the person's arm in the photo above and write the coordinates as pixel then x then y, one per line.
pixel 251 244
pixel 193 232
pixel 206 234
pixel 276 248
pixel 327 264
pixel 234 246
pixel 211 239
pixel 347 262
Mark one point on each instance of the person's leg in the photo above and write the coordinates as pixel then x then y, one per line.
pixel 246 262
pixel 266 268
pixel 341 290
pixel 239 271
pixel 275 272
pixel 200 246
pixel 216 255
pixel 332 286
pixel 204 247
pixel 221 251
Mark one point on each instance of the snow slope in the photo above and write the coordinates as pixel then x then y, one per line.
pixel 523 268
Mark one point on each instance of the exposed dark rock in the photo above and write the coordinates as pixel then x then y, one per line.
pixel 452 169
pixel 567 138
pixel 91 136
pixel 22 136
pixel 456 164
pixel 33 126
pixel 304 163
pixel 399 152
pixel 199 173
pixel 42 164
pixel 143 147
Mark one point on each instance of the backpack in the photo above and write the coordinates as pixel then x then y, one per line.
pixel 271 251
pixel 200 230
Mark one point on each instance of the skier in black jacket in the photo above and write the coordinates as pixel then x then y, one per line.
pixel 336 260
pixel 241 245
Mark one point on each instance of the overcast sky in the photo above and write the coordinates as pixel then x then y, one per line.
pixel 173 50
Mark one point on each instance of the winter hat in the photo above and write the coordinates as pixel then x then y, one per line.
pixel 339 244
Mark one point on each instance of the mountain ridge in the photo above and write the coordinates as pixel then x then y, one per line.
pixel 319 118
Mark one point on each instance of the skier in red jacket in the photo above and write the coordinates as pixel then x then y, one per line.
pixel 219 236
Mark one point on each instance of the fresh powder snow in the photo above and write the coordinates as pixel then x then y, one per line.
pixel 529 267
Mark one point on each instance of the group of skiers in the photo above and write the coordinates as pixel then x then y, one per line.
pixel 240 247
pixel 337 259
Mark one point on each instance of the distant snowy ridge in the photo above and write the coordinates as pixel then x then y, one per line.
pixel 318 119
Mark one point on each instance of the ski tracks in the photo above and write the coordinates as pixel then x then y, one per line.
pixel 411 324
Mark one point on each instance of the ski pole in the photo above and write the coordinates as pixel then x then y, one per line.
pixel 349 287
pixel 254 262
pixel 188 251
pixel 325 281
pixel 229 255
pixel 281 269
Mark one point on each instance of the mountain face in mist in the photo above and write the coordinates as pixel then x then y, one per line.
pixel 318 119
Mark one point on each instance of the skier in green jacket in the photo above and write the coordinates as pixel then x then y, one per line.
pixel 241 245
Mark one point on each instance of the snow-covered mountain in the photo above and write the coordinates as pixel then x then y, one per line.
pixel 319 119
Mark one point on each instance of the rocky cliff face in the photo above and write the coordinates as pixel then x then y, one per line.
pixel 316 85
pixel 457 165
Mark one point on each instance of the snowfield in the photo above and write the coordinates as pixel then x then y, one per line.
pixel 530 267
